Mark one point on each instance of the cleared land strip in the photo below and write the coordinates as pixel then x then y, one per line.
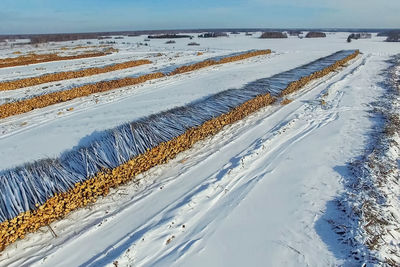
pixel 37 194
pixel 35 59
pixel 23 106
pixel 60 76
pixel 372 193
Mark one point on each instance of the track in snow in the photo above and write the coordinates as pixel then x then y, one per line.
pixel 198 189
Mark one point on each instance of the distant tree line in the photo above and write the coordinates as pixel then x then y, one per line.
pixel 393 37
pixel 60 37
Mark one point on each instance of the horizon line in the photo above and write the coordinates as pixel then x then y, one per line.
pixel 195 30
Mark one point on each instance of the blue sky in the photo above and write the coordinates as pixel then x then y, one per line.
pixel 43 16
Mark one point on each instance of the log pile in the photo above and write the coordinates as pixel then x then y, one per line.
pixel 34 58
pixel 23 106
pixel 99 185
pixel 90 190
pixel 53 77
pixel 208 63
pixel 42 101
pixel 294 86
pixel 273 35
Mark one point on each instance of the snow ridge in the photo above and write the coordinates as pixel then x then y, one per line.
pixel 370 206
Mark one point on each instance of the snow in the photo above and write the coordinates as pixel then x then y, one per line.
pixel 257 193
pixel 41 134
pixel 371 202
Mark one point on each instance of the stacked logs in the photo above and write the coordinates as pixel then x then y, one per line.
pixel 23 106
pixel 208 63
pixel 90 190
pixel 42 101
pixel 293 86
pixel 53 77
pixel 34 58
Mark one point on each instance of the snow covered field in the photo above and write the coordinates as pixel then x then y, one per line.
pixel 258 193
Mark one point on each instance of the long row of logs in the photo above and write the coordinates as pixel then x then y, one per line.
pixel 318 74
pixel 208 63
pixel 59 76
pixel 34 58
pixel 90 190
pixel 23 106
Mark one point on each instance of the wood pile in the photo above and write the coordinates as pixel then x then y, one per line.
pixel 294 86
pixel 90 190
pixel 23 106
pixel 34 58
pixel 208 63
pixel 53 77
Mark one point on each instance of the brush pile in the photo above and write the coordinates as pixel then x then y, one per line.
pixel 37 194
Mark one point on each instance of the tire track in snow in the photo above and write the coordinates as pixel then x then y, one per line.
pixel 223 190
pixel 199 205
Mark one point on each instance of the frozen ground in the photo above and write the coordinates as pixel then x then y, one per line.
pixel 257 193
